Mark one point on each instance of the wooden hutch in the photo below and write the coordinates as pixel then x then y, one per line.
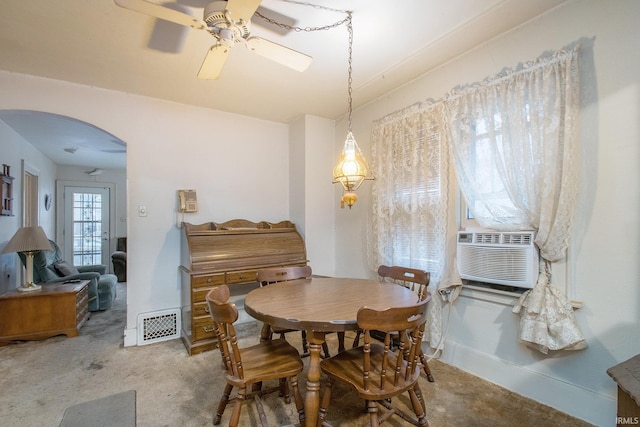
pixel 228 253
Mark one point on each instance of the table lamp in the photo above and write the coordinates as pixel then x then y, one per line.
pixel 28 240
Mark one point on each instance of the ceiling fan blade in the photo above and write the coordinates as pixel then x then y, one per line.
pixel 162 12
pixel 242 9
pixel 278 53
pixel 213 62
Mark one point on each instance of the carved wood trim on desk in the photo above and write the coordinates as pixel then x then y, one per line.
pixel 56 309
pixel 212 254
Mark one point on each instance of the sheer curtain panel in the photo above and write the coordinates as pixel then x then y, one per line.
pixel 412 223
pixel 514 141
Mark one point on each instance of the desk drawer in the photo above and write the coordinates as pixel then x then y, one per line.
pixel 199 296
pixel 202 328
pixel 207 281
pixel 200 309
pixel 245 276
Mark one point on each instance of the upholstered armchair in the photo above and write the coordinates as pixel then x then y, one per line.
pixel 119 259
pixel 49 267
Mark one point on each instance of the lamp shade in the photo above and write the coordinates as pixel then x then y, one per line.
pixel 352 167
pixel 28 239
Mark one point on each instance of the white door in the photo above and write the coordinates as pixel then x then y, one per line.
pixel 86 225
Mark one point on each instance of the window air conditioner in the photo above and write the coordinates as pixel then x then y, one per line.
pixel 504 258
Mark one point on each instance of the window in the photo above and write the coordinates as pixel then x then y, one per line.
pixel 411 193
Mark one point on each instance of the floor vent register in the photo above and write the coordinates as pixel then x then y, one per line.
pixel 158 326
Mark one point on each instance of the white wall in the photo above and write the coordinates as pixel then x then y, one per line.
pixel 13 151
pixel 231 160
pixel 311 192
pixel 482 336
pixel 235 163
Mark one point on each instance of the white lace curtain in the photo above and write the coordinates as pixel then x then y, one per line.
pixel 529 121
pixel 412 220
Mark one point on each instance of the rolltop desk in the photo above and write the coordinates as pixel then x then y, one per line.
pixel 230 253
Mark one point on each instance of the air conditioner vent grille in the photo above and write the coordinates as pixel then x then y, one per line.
pixel 487 238
pixel 509 258
pixel 517 238
pixel 495 263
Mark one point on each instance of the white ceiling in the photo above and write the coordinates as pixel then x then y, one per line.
pixel 97 43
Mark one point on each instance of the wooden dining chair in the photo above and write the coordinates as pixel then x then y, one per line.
pixel 377 372
pixel 417 281
pixel 246 367
pixel 271 275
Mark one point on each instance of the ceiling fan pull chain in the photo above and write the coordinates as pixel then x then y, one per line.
pixel 307 29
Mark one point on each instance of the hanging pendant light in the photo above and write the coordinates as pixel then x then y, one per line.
pixel 352 168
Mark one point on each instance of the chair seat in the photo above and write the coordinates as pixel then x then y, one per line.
pixel 347 366
pixel 266 361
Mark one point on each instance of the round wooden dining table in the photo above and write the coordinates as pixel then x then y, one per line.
pixel 319 306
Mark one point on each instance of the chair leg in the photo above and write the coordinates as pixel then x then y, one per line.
pixel 356 340
pixel 223 404
pixel 341 342
pixel 326 399
pixel 372 409
pixel 425 366
pixel 235 415
pixel 260 408
pixel 284 390
pixel 325 350
pixel 417 402
pixel 418 392
pixel 297 397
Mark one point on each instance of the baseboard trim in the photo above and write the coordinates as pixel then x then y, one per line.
pixel 131 337
pixel 587 405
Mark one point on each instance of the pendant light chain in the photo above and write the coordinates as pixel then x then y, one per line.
pixel 350 79
pixel 346 21
pixel 352 168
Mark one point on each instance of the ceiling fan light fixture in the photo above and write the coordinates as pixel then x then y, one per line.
pixel 229 23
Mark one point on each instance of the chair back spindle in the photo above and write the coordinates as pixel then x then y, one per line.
pixel 224 314
pixel 376 371
pixel 403 362
pixel 417 281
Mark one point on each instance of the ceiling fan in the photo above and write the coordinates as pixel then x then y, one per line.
pixel 229 23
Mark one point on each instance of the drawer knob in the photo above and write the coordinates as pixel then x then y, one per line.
pixel 209 328
pixel 209 280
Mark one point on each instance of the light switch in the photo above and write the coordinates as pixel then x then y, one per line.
pixel 142 210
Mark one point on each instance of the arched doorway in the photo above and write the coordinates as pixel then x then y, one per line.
pixel 86 157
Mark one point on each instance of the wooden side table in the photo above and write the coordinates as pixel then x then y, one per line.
pixel 56 309
pixel 627 376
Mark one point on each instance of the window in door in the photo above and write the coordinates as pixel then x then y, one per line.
pixel 87 225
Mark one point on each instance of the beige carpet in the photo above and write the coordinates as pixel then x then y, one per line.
pixel 40 380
